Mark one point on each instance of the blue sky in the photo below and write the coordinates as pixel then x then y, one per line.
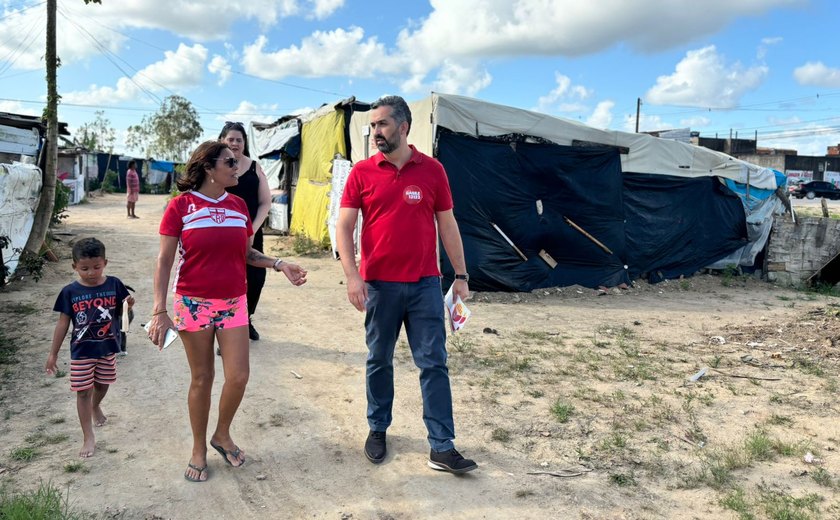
pixel 716 66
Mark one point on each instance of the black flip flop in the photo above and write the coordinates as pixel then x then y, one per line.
pixel 200 471
pixel 225 453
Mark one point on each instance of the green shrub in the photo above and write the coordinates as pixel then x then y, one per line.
pixel 109 183
pixel 62 200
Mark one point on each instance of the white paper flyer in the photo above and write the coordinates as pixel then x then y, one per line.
pixel 457 310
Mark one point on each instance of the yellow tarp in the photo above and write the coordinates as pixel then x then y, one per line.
pixel 321 139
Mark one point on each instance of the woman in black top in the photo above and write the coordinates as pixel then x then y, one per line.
pixel 253 188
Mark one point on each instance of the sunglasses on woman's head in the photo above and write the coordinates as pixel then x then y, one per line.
pixel 230 161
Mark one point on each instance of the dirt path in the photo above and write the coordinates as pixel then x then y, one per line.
pixel 607 357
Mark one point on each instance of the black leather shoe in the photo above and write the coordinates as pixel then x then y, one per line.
pixel 252 332
pixel 450 461
pixel 375 449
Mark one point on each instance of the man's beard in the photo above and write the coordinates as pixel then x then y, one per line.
pixel 386 146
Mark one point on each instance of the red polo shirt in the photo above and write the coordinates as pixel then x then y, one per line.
pixel 399 237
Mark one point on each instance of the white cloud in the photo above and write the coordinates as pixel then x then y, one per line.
pixel 765 43
pixel 816 74
pixel 564 96
pixel 85 30
pixel 808 140
pixel 703 79
pixel 647 123
pixel 247 112
pixel 220 66
pixel 14 107
pixel 602 115
pixel 454 78
pixel 324 53
pixel 179 70
pixel 324 8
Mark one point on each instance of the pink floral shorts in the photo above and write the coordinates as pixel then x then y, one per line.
pixel 193 314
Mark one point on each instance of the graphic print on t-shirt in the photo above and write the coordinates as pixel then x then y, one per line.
pixel 92 313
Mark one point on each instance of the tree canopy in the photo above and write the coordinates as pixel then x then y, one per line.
pixel 97 134
pixel 169 133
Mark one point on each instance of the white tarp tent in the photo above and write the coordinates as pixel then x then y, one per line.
pixel 20 189
pixel 641 153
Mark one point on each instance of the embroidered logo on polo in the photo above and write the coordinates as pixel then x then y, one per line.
pixel 412 195
pixel 217 214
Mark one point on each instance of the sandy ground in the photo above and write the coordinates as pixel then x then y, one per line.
pixel 636 437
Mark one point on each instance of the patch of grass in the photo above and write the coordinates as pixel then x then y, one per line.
pixel 276 420
pixel 47 502
pixel 76 467
pixel 8 350
pixel 305 246
pixel 778 505
pixel 536 394
pixel 622 479
pixel 562 411
pixel 759 446
pixel 57 420
pixel 780 420
pixel 460 344
pixel 822 477
pixel 20 309
pixel 524 493
pixel 500 435
pixel 42 439
pixel 23 454
pixel 783 298
pixel 736 501
pixel 809 366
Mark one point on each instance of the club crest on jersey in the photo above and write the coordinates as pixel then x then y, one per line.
pixel 412 195
pixel 217 214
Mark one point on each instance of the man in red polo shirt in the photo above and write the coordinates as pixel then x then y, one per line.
pixel 401 193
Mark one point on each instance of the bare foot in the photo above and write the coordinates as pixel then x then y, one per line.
pixel 88 448
pixel 99 418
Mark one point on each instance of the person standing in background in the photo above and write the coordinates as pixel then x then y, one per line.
pixel 132 188
pixel 253 189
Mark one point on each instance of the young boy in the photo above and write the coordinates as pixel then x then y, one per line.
pixel 91 303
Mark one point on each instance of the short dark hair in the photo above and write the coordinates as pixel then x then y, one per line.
pixel 132 164
pixel 231 125
pixel 200 161
pixel 399 109
pixel 88 248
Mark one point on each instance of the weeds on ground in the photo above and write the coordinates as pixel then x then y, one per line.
pixel 24 454
pixel 47 502
pixel 76 467
pixel 8 350
pixel 562 411
pixel 305 246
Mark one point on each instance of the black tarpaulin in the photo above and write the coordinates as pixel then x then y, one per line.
pixel 526 190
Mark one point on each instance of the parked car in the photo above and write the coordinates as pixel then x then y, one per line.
pixel 814 189
pixel 792 184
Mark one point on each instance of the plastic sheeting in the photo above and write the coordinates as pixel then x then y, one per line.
pixel 676 226
pixel 322 139
pixel 527 191
pixel 20 189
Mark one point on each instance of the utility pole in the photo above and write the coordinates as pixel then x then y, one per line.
pixel 638 109
pixel 43 215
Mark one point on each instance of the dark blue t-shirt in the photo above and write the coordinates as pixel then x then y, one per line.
pixel 93 311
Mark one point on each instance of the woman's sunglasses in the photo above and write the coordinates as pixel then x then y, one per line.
pixel 230 161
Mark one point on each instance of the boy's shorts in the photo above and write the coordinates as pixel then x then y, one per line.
pixel 193 314
pixel 85 372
